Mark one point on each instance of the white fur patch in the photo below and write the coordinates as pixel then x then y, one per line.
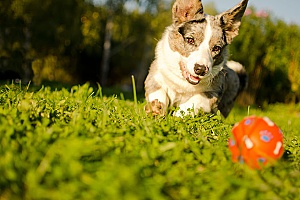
pixel 202 56
pixel 235 66
pixel 193 105
pixel 160 95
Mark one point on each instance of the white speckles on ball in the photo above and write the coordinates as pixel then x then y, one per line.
pixel 257 140
pixel 277 148
pixel 269 122
pixel 249 144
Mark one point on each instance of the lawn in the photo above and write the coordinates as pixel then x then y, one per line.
pixel 80 144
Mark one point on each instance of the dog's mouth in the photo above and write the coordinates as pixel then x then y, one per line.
pixel 194 80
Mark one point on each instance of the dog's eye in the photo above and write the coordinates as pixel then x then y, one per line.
pixel 190 41
pixel 216 48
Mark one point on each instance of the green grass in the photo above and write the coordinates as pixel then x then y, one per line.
pixel 79 144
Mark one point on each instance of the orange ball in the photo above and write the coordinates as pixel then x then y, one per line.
pixel 256 141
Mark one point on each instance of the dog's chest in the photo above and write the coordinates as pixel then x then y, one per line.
pixel 179 94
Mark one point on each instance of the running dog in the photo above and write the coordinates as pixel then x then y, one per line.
pixel 190 70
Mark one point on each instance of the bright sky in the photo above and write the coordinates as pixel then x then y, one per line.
pixel 287 10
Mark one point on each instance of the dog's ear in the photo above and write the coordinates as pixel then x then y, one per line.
pixel 186 10
pixel 231 20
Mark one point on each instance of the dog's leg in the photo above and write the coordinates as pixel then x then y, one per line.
pixel 193 105
pixel 236 81
pixel 157 103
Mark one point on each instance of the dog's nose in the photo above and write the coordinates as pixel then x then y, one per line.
pixel 200 70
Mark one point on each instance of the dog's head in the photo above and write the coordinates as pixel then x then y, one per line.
pixel 202 39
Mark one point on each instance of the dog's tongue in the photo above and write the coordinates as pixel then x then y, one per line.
pixel 193 79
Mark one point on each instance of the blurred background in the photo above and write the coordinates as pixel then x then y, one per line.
pixel 107 41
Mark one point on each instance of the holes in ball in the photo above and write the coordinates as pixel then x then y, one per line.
pixel 248 122
pixel 261 160
pixel 266 136
pixel 231 142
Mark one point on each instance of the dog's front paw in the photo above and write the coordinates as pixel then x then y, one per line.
pixel 155 108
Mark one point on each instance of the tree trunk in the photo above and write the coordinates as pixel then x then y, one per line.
pixel 106 51
pixel 27 62
pixel 144 64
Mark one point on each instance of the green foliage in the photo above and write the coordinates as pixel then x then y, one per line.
pixel 66 38
pixel 80 144
pixel 268 49
pixel 53 31
pixel 71 34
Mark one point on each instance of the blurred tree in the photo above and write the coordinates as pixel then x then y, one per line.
pixel 80 40
pixel 39 31
pixel 267 48
pixel 92 30
pixel 294 61
pixel 14 43
pixel 127 24
pixel 210 8
pixel 54 24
